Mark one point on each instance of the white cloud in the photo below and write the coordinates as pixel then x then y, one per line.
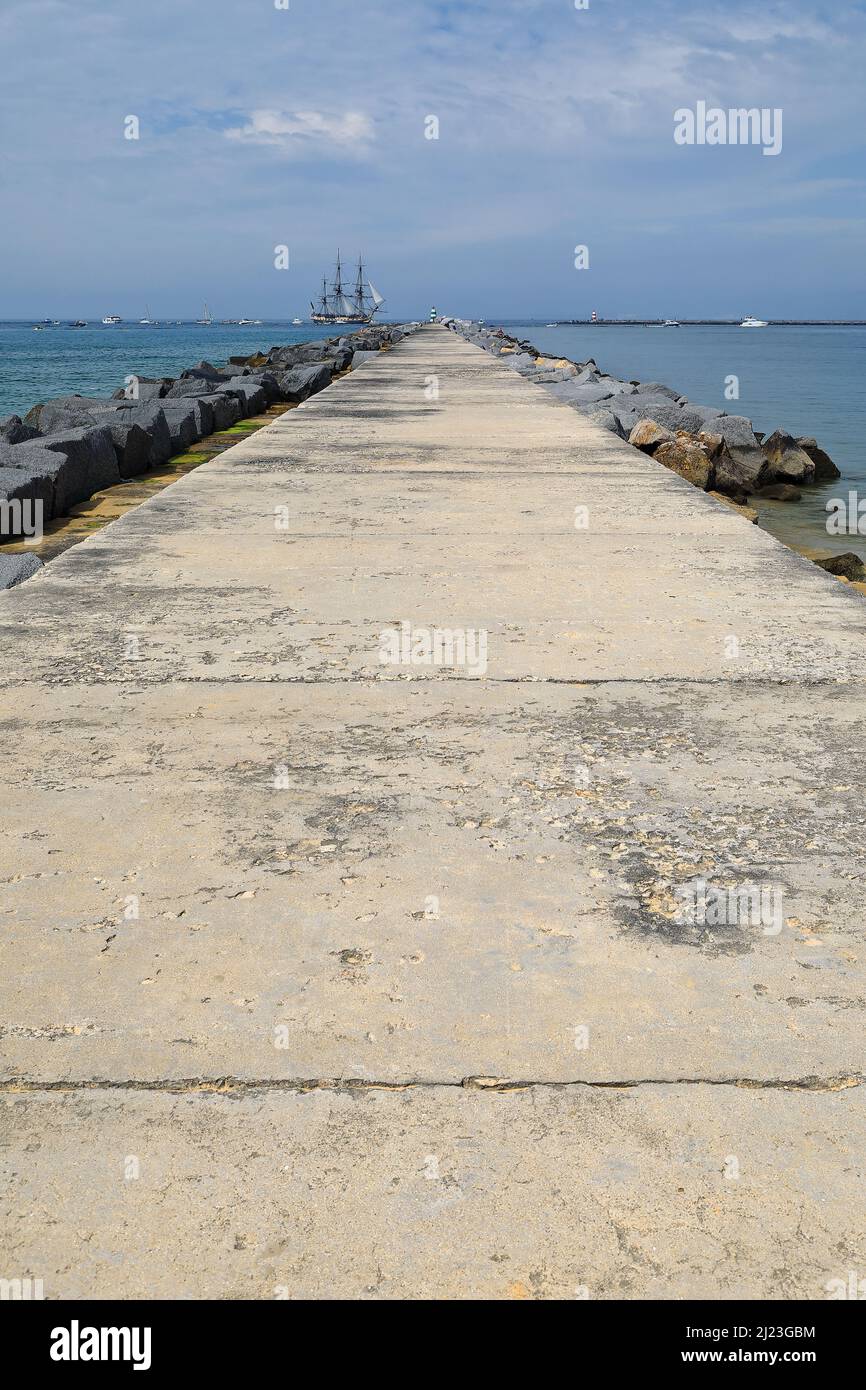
pixel 286 129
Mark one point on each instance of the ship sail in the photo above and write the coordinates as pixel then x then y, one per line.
pixel 339 304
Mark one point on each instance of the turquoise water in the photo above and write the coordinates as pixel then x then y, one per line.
pixel 808 381
pixel 94 361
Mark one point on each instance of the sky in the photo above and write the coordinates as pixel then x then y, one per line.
pixel 307 126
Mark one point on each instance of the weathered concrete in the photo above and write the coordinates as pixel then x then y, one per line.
pixel 240 847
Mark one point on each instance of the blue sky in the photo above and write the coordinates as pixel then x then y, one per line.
pixel 305 126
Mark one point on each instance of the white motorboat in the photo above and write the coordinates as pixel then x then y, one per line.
pixel 112 319
pixel 754 323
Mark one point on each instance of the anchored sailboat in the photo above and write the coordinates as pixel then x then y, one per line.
pixel 341 305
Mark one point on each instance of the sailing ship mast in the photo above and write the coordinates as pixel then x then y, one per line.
pixel 339 307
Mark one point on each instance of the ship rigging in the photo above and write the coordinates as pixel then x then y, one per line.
pixel 340 303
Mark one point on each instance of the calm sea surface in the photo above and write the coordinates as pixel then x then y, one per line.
pixel 94 361
pixel 802 379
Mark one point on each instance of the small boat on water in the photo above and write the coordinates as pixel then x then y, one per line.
pixel 297 323
pixel 671 323
pixel 749 322
pixel 551 325
pixel 79 323
pixel 112 319
pixel 207 318
pixel 147 321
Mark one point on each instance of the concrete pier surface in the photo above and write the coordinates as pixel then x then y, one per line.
pixel 331 976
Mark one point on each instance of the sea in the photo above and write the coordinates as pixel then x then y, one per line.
pixel 806 379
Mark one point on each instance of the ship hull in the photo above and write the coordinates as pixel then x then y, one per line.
pixel 341 318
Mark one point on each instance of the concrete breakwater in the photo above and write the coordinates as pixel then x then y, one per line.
pixel 720 453
pixel 397 979
pixel 68 448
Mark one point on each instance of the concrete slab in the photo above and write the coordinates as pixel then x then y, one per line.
pixel 658 1192
pixel 430 882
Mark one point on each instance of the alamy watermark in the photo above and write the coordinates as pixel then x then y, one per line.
pixel 22 1290
pixel 22 517
pixel 461 647
pixel 702 904
pixel 737 126
pixel 846 516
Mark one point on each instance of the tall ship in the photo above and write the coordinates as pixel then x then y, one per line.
pixel 346 303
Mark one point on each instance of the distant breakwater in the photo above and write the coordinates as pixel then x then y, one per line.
pixel 718 452
pixel 68 448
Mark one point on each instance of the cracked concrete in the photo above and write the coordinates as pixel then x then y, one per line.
pixel 377 973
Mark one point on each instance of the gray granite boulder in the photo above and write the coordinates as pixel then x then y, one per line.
pixel 548 378
pixel 26 500
pixel 269 384
pixel 251 396
pixel 573 394
pixel 788 462
pixel 225 410
pixel 150 416
pixel 182 420
pixel 205 371
pixel 617 387
pixel 14 569
pixel 680 417
pixel 656 390
pixel 66 413
pixel 606 420
pixel 303 382
pixel 14 431
pixel 132 445
pixel 92 459
pixel 742 465
pixel 340 358
pixel 145 388
pixel 188 387
pixel 128 422
pixel 629 410
pixel 847 566
pixel 63 465
pixel 825 468
pixel 205 416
